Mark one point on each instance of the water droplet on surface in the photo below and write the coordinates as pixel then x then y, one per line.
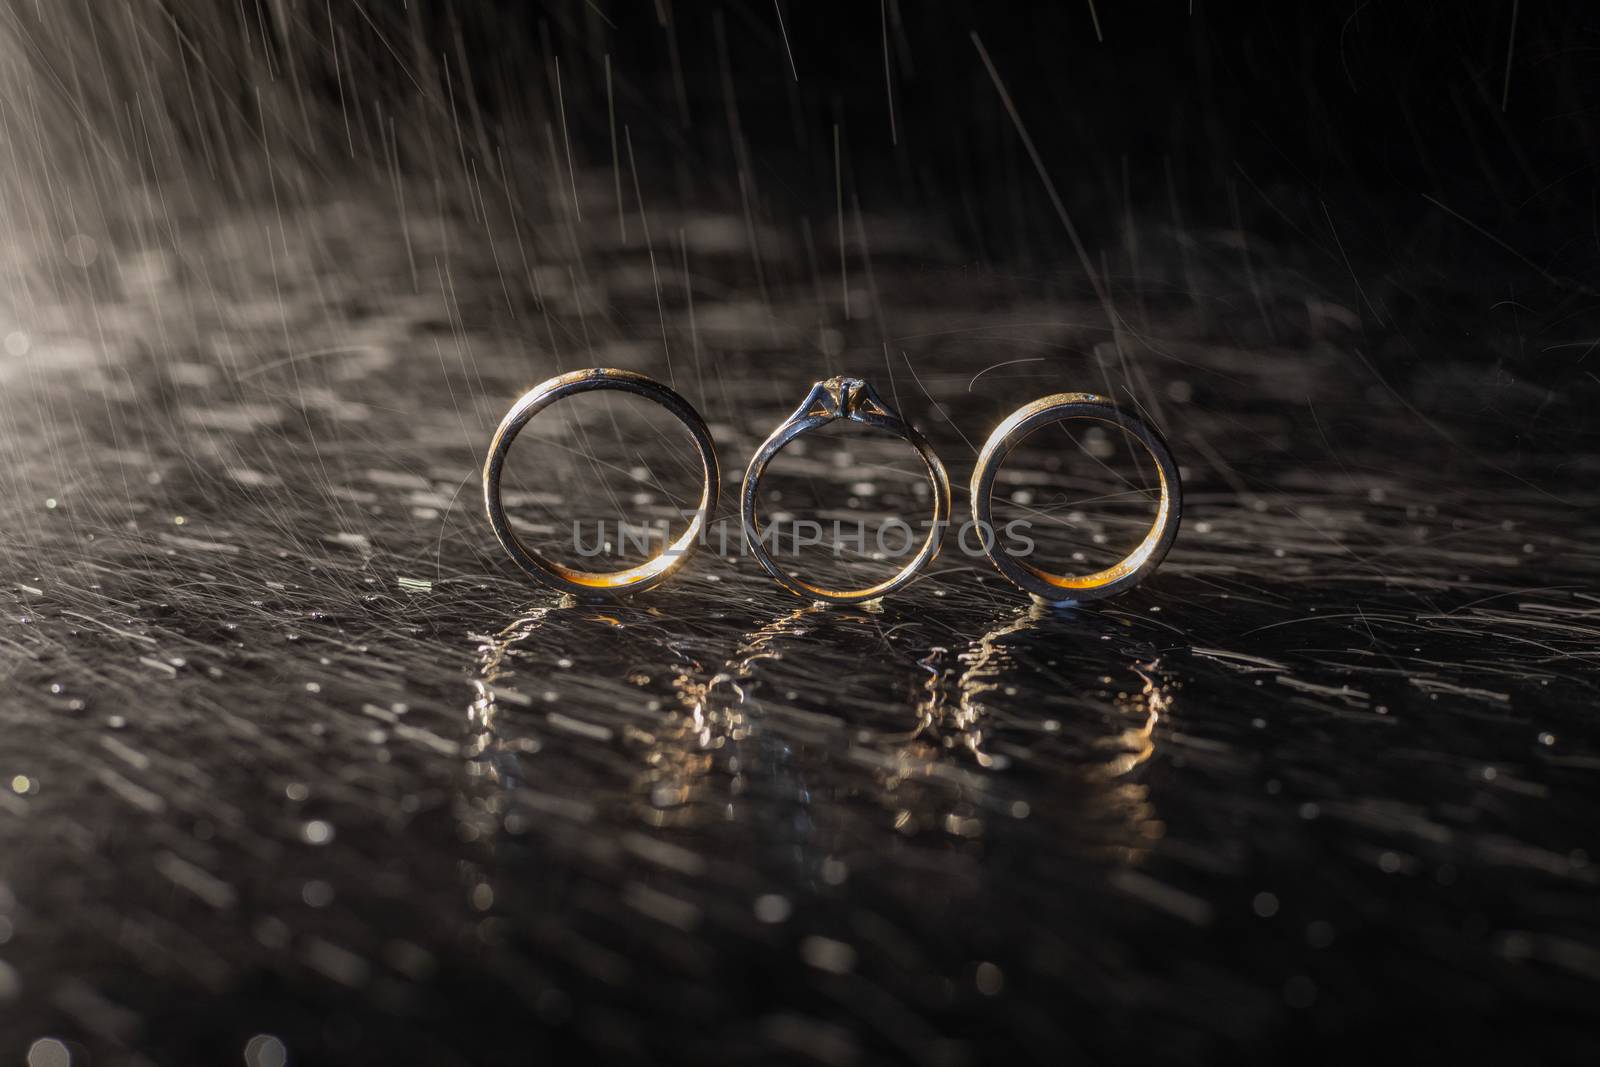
pixel 265 1050
pixel 826 954
pixel 48 1052
pixel 772 908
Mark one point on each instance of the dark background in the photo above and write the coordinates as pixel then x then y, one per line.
pixel 295 766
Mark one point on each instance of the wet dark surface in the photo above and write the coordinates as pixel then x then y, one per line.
pixel 296 763
pixel 297 752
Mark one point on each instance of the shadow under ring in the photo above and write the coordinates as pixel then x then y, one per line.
pixel 599 583
pixel 857 401
pixel 1136 566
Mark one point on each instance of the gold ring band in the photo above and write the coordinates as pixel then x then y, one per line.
pixel 1127 572
pixel 599 583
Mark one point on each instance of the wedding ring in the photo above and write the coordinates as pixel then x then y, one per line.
pixel 1056 589
pixel 857 401
pixel 599 583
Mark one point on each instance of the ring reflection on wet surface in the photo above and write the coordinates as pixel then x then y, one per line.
pixel 736 773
